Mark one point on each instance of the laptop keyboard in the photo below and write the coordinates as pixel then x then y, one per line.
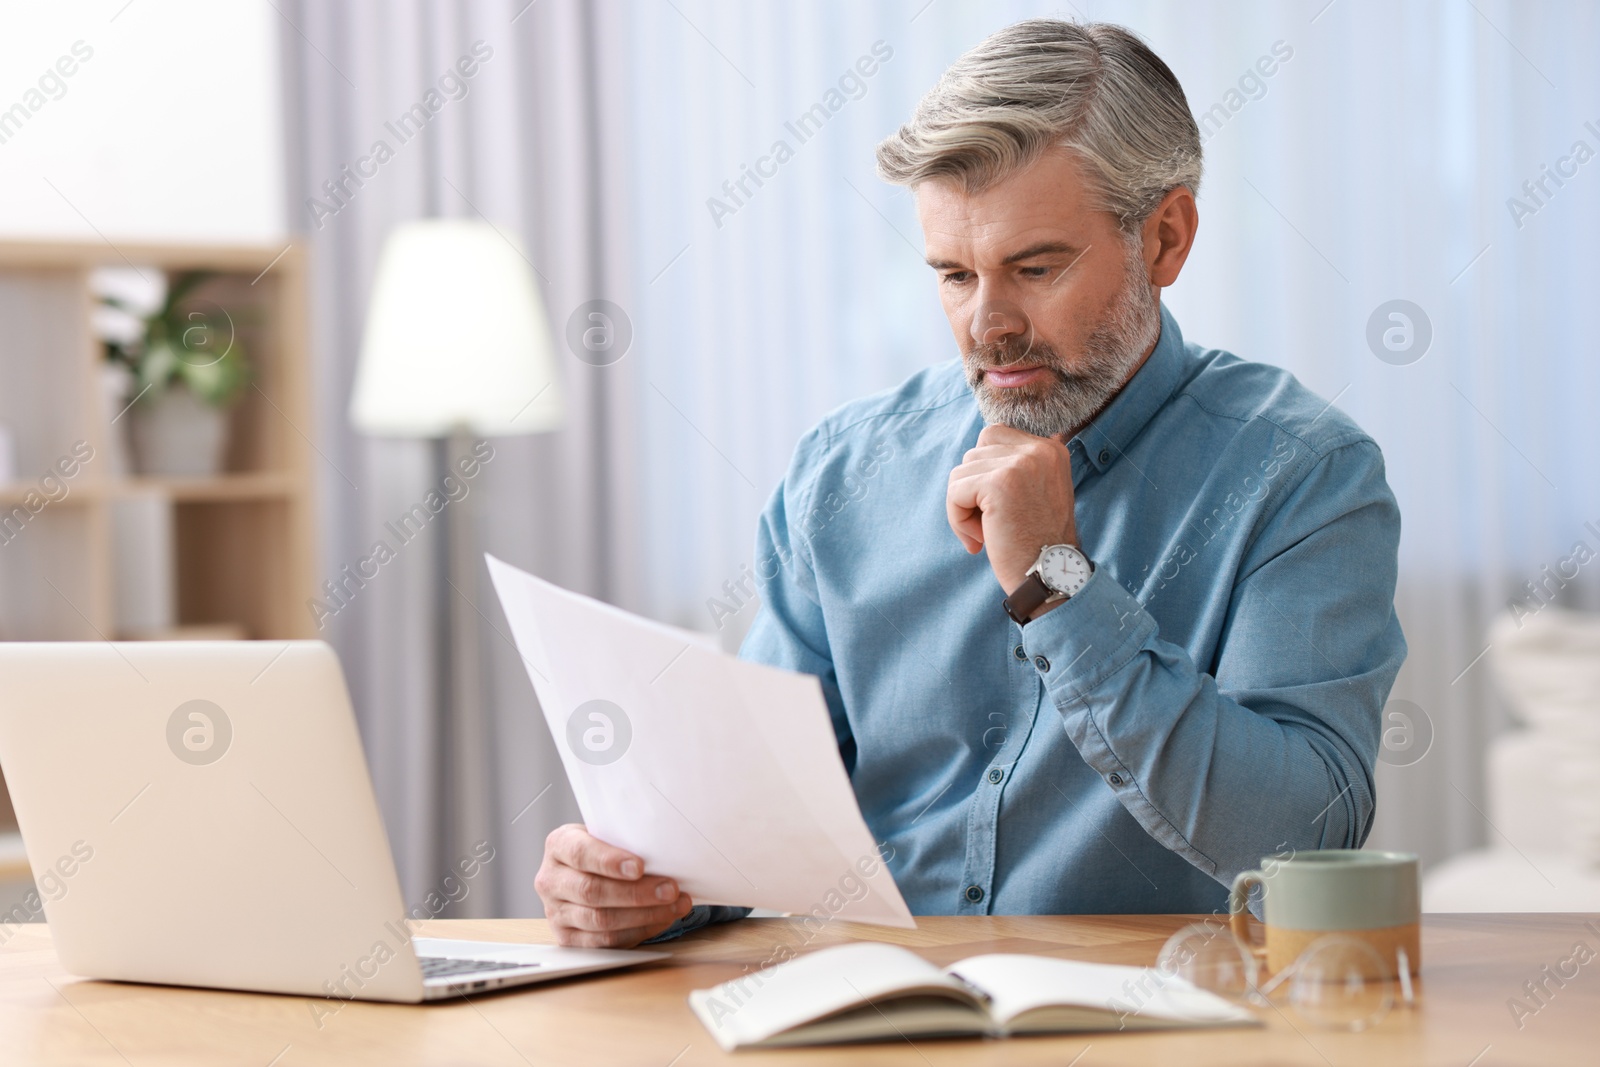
pixel 445 967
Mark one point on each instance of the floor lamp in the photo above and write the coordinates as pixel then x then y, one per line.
pixel 457 346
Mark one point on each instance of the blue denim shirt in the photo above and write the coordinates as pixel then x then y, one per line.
pixel 1211 696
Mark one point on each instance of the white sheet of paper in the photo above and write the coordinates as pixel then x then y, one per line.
pixel 722 774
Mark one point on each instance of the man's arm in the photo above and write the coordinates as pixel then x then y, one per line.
pixel 1273 746
pixel 789 631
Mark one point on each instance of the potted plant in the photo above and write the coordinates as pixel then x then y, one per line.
pixel 186 369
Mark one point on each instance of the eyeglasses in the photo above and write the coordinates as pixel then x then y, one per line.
pixel 1337 982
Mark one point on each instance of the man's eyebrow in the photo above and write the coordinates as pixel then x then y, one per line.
pixel 1045 248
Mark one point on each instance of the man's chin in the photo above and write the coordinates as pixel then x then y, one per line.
pixel 1043 412
pixel 1037 420
pixel 1018 397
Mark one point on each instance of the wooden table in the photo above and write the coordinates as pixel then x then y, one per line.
pixel 1473 964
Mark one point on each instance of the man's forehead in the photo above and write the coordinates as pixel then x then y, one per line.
pixel 1045 203
pixel 998 240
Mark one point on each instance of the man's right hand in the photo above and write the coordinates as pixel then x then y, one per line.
pixel 597 895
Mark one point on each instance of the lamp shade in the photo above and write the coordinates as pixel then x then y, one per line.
pixel 456 338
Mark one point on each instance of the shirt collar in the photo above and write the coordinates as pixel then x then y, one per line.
pixel 1104 440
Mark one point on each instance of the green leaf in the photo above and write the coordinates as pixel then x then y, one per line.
pixel 158 365
pixel 218 383
pixel 193 348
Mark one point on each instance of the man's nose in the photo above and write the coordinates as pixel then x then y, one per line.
pixel 998 320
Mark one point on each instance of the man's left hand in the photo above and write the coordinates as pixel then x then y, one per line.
pixel 1012 494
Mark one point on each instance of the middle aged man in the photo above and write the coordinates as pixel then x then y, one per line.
pixel 1102 617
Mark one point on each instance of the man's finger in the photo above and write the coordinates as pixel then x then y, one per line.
pixel 964 517
pixel 997 433
pixel 970 533
pixel 997 461
pixel 611 920
pixel 988 452
pixel 596 890
pixel 614 939
pixel 575 846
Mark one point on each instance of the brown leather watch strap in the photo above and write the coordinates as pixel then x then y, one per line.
pixel 1026 598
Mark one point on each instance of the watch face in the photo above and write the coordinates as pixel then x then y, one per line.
pixel 1064 569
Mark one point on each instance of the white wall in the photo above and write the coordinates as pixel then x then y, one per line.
pixel 170 130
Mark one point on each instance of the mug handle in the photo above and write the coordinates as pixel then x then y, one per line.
pixel 1239 912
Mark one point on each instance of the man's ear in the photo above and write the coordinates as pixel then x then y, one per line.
pixel 1169 234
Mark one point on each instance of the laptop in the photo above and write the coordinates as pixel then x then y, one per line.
pixel 200 814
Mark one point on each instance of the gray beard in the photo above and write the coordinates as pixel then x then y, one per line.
pixel 1110 354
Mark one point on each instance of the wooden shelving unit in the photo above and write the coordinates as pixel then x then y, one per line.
pixel 243 539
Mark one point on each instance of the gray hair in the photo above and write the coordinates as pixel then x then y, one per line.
pixel 1093 88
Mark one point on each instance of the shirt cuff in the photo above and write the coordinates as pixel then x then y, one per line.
pixel 700 915
pixel 1090 637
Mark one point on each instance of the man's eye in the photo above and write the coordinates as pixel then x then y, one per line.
pixel 1036 272
pixel 956 277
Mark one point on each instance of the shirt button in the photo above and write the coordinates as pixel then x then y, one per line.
pixel 1021 653
pixel 1042 663
pixel 1105 455
pixel 996 774
pixel 974 893
pixel 1114 778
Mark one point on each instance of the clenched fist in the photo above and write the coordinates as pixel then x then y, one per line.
pixel 1012 495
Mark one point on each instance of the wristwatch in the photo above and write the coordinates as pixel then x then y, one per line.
pixel 1058 573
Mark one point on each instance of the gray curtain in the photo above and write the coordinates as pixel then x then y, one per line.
pixel 521 143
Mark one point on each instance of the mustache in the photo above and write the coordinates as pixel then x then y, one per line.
pixel 985 356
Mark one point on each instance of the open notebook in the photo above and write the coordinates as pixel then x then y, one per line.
pixel 872 992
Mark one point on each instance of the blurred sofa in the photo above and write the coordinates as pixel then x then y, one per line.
pixel 1543 778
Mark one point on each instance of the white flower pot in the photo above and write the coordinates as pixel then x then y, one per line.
pixel 178 434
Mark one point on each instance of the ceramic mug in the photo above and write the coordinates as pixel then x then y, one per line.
pixel 1369 895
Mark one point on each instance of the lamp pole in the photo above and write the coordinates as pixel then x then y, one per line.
pixel 470 754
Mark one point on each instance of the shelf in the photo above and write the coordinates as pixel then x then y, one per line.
pixel 33 255
pixel 254 485
pixel 16 492
pixel 242 543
